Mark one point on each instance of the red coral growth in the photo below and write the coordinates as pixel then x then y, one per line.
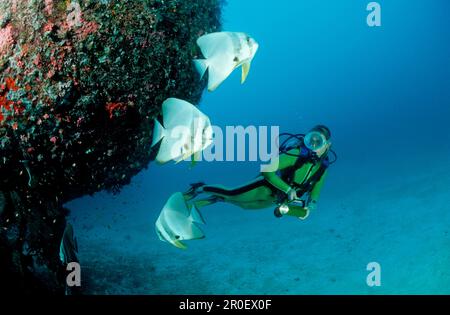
pixel 5 103
pixel 112 107
pixel 57 59
pixel 10 85
pixel 48 27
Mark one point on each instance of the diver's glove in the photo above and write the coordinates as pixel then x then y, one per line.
pixel 312 206
pixel 291 194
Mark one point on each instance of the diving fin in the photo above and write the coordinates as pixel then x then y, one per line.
pixel 193 192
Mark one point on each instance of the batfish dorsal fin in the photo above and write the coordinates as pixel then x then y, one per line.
pixel 215 43
pixel 177 203
pixel 177 112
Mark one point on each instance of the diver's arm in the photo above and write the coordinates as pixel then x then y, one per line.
pixel 282 162
pixel 315 193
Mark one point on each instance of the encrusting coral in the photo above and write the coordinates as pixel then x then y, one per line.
pixel 80 84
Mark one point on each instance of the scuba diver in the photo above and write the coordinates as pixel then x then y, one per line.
pixel 294 188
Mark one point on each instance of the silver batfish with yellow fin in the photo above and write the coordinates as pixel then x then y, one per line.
pixel 224 52
pixel 185 132
pixel 177 222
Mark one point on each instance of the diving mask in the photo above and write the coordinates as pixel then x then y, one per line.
pixel 315 141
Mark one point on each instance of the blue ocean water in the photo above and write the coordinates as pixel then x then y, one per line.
pixel 385 94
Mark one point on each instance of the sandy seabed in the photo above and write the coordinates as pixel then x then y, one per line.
pixel 401 223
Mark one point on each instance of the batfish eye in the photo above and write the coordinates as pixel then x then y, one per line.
pixel 177 237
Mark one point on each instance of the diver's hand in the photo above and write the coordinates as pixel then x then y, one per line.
pixel 311 206
pixel 292 194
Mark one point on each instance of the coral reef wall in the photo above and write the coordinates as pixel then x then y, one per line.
pixel 80 83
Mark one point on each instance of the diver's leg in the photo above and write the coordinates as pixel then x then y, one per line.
pixel 231 192
pixel 206 202
pixel 254 195
pixel 258 198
